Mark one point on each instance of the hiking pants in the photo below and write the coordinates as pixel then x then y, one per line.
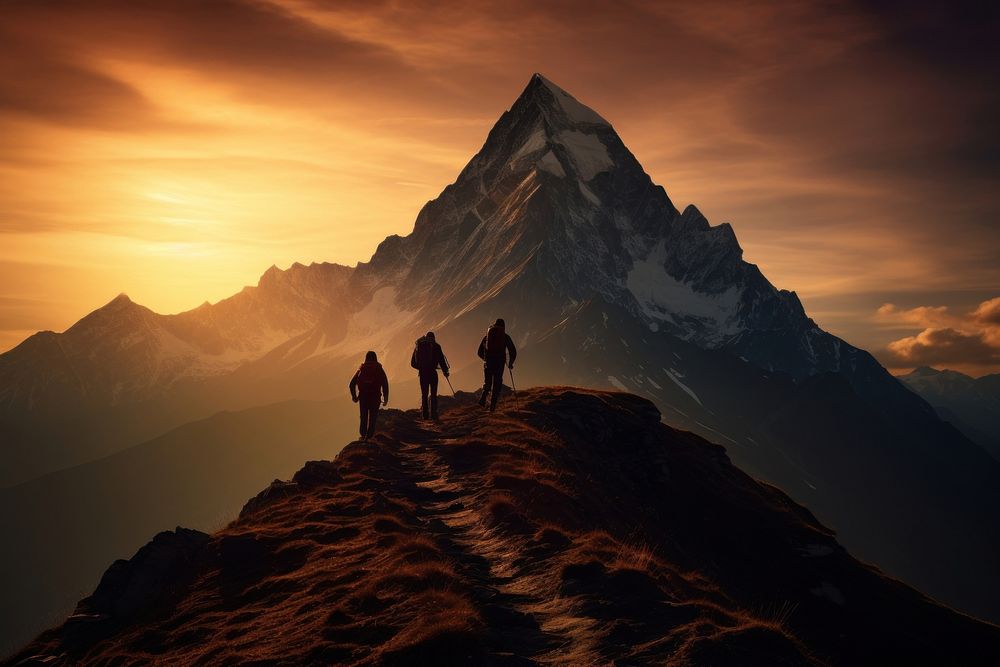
pixel 369 413
pixel 493 383
pixel 429 383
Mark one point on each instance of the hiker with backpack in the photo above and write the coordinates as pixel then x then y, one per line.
pixel 427 357
pixel 369 387
pixel 493 350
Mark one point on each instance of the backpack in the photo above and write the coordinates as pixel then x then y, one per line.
pixel 425 355
pixel 496 342
pixel 369 377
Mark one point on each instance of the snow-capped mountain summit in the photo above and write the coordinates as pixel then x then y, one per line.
pixel 555 207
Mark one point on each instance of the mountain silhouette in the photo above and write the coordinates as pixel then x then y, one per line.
pixel 604 283
pixel 123 373
pixel 572 526
pixel 971 404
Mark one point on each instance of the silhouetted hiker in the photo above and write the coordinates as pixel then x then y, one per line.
pixel 493 350
pixel 369 387
pixel 427 356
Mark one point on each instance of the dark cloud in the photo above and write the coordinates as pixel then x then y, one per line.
pixel 957 38
pixel 39 84
pixel 52 51
pixel 87 97
pixel 242 34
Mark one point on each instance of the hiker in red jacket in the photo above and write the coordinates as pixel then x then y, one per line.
pixel 427 357
pixel 493 350
pixel 369 387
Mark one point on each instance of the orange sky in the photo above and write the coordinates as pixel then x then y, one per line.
pixel 175 150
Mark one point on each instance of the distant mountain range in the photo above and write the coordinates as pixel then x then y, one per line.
pixel 971 404
pixel 603 282
pixel 124 373
pixel 571 527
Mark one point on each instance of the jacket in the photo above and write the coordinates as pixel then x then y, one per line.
pixel 373 391
pixel 497 357
pixel 437 356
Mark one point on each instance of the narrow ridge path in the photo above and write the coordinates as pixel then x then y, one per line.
pixel 486 557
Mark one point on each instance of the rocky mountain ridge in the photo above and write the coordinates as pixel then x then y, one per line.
pixel 571 527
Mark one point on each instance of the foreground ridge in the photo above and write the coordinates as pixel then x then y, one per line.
pixel 571 527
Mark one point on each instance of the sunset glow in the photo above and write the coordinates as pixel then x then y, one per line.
pixel 174 151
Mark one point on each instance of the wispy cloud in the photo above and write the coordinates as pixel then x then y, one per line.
pixel 854 149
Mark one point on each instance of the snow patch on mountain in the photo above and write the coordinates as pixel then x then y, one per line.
pixel 664 298
pixel 375 325
pixel 535 142
pixel 574 110
pixel 674 376
pixel 616 383
pixel 588 154
pixel 550 163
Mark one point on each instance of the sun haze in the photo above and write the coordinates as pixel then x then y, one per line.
pixel 174 151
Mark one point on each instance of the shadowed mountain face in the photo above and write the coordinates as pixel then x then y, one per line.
pixel 971 404
pixel 553 225
pixel 570 527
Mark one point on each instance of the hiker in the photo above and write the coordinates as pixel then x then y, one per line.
pixel 427 357
pixel 369 387
pixel 493 351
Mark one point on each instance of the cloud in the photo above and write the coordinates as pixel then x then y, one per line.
pixel 944 346
pixel 971 339
pixel 923 316
pixel 85 97
pixel 59 58
pixel 988 312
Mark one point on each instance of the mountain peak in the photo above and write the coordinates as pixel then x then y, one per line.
pixel 270 277
pixel 545 130
pixel 114 313
pixel 562 107
pixel 120 303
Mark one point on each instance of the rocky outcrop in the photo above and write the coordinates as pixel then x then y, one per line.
pixel 569 527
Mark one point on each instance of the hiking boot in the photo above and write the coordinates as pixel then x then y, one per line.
pixel 482 400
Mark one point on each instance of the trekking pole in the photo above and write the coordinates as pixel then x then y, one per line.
pixel 513 388
pixel 446 377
